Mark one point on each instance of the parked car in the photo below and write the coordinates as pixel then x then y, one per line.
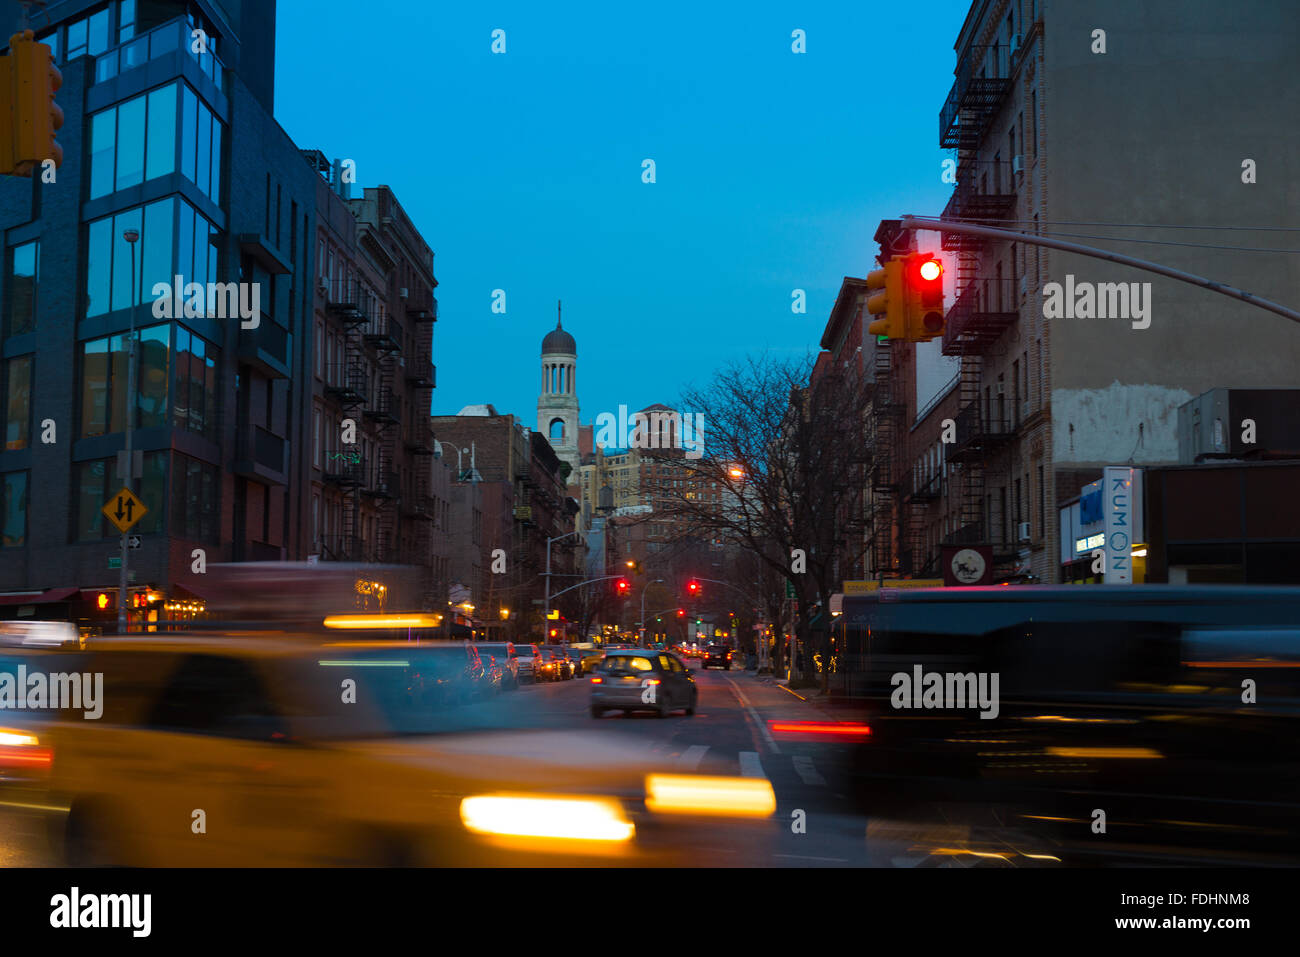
pixel 548 667
pixel 527 657
pixel 504 653
pixel 639 679
pixel 494 676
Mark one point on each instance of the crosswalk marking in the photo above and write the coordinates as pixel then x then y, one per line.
pixel 750 766
pixel 691 757
pixel 803 766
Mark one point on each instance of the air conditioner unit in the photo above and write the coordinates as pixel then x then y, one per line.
pixel 1018 163
pixel 1016 41
pixel 406 294
pixel 324 284
pixel 1023 531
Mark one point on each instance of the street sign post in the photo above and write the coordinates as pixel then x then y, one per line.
pixel 124 510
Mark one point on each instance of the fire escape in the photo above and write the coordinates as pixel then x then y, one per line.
pixel 419 506
pixel 382 339
pixel 985 305
pixel 348 383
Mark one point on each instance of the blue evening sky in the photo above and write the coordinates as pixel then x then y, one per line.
pixel 523 170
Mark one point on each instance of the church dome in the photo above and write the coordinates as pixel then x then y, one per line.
pixel 557 340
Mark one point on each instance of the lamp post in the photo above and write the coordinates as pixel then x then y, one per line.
pixel 657 581
pixel 547 614
pixel 131 236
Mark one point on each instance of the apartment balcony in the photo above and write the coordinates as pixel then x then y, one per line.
pixel 347 300
pixel 978 317
pixel 384 335
pixel 347 382
pixel 985 193
pixel 169 37
pixel 980 433
pixel 426 311
pixel 923 491
pixel 266 348
pixel 345 468
pixel 260 456
pixel 974 98
pixel 383 486
pixel 382 409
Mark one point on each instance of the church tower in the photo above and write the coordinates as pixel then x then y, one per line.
pixel 557 406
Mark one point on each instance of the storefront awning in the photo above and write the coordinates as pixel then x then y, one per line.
pixel 37 597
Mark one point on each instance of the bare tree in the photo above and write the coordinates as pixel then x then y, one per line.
pixel 782 474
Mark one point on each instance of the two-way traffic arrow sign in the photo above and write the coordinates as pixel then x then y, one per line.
pixel 124 510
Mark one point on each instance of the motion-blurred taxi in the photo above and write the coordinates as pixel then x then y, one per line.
pixel 258 751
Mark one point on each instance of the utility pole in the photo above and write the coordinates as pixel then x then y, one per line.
pixel 644 589
pixel 547 614
pixel 131 236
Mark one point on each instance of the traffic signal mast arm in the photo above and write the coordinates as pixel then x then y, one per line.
pixel 589 581
pixel 994 232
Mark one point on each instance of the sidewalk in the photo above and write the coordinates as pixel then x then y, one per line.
pixel 771 694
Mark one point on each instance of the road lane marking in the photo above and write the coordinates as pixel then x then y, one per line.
pixel 750 765
pixel 754 716
pixel 803 766
pixel 691 757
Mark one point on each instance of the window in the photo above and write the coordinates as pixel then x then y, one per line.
pixel 126 21
pixel 23 277
pixel 195 408
pixel 104 375
pixel 96 480
pixel 18 409
pixel 108 257
pixel 195 487
pixel 201 134
pixel 1042 504
pixel 316 446
pixel 15 510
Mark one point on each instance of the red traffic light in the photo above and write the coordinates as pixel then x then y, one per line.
pixel 693 588
pixel 622 585
pixel 929 270
pixel 681 612
pixel 554 632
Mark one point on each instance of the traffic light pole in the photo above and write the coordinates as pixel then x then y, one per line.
pixel 993 232
pixel 130 236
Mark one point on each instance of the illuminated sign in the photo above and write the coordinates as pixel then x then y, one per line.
pixel 1089 543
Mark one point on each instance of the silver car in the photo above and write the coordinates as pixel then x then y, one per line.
pixel 642 679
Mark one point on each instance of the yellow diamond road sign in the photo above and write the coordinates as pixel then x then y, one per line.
pixel 124 510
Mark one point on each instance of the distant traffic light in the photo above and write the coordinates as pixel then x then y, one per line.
pixel 888 306
pixel 681 612
pixel 923 277
pixel 693 588
pixel 554 632
pixel 29 116
pixel 622 587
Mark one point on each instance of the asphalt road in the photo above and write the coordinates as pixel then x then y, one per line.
pixel 815 824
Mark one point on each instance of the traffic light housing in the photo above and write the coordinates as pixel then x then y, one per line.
pixel 888 306
pixel 693 588
pixel 622 587
pixel 29 115
pixel 923 279
pixel 106 601
pixel 681 612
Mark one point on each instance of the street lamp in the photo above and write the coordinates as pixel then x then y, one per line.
pixel 131 236
pixel 641 621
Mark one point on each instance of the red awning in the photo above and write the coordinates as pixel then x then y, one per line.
pixel 38 597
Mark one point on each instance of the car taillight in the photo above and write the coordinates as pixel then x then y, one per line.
pixel 653 681
pixel 597 681
pixel 18 749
